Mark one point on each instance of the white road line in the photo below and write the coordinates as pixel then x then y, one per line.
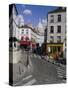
pixel 24 79
pixel 61 76
pixel 60 72
pixel 27 77
pixel 60 69
pixel 30 82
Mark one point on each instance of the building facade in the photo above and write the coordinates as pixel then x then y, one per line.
pixel 13 28
pixel 25 34
pixel 30 36
pixel 15 22
pixel 56 32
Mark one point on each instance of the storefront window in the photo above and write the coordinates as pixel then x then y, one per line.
pixel 54 49
pixel 59 49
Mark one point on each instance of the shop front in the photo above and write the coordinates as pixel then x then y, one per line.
pixel 54 50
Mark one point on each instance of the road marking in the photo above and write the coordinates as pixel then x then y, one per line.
pixel 30 82
pixel 60 69
pixel 61 76
pixel 27 77
pixel 61 72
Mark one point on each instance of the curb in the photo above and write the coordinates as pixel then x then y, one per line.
pixel 54 62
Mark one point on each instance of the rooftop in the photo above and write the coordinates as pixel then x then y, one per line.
pixel 59 9
pixel 33 29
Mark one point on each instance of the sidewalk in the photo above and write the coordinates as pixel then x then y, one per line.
pixel 49 60
pixel 54 62
pixel 19 71
pixel 18 60
pixel 14 56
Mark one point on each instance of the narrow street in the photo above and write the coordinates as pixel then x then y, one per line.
pixel 37 48
pixel 40 71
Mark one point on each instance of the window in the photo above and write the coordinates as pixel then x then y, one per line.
pixel 51 39
pixel 54 49
pixel 52 19
pixel 14 44
pixel 27 31
pixel 22 38
pixel 22 31
pixel 52 29
pixel 59 29
pixel 59 39
pixel 59 18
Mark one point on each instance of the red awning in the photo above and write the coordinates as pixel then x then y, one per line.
pixel 25 42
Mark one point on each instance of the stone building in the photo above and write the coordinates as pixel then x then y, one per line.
pixel 56 32
pixel 15 21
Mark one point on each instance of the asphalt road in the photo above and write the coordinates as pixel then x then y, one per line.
pixel 41 72
pixel 44 72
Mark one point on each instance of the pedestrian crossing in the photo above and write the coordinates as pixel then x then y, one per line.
pixel 27 80
pixel 61 73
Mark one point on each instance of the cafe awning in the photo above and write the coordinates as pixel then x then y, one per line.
pixel 25 42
